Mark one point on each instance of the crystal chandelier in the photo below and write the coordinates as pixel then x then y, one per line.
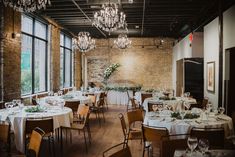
pixel 122 41
pixel 27 5
pixel 84 42
pixel 109 19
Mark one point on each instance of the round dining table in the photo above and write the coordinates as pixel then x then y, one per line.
pixel 17 117
pixel 184 126
pixel 175 104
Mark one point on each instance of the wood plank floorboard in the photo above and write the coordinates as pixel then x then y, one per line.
pixel 103 137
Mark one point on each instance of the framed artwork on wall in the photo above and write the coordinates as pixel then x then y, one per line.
pixel 211 76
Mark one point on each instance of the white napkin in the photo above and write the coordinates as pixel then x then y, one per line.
pixel 196 110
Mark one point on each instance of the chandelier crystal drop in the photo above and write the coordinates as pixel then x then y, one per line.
pixel 109 19
pixel 84 42
pixel 26 5
pixel 122 41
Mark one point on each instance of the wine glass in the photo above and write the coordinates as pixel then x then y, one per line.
pixel 192 143
pixel 203 145
pixel 221 110
pixel 7 105
pixel 155 108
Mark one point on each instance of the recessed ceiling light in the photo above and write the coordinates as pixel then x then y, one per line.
pixel 137 27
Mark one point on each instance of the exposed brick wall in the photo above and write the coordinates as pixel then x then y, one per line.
pixel 11 55
pixel 11 49
pixel 142 63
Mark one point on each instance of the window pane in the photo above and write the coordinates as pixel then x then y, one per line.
pixel 27 24
pixel 40 66
pixel 26 65
pixel 61 67
pixel 68 42
pixel 62 39
pixel 40 30
pixel 67 81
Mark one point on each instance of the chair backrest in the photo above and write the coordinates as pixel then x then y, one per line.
pixel 145 95
pixel 135 116
pixel 92 98
pixel 82 111
pixel 133 103
pixel 153 134
pixel 72 105
pixel 46 124
pixel 215 136
pixel 119 150
pixel 102 95
pixel 100 103
pixel 204 102
pixel 173 142
pixel 4 132
pixel 123 124
pixel 35 141
pixel 150 106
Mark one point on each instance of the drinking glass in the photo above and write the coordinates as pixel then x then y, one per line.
pixel 203 145
pixel 192 143
pixel 221 110
pixel 7 105
pixel 182 114
pixel 154 107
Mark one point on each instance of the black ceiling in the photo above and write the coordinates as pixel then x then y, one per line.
pixel 165 18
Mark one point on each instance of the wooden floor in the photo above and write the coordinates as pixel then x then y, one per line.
pixel 103 137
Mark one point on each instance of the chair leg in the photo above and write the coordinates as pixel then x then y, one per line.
pixel 85 140
pixel 61 142
pixel 89 133
pixel 103 115
pixel 49 144
pixel 53 145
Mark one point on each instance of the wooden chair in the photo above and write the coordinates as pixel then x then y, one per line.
pixel 98 106
pixel 133 117
pixel 46 124
pixel 83 111
pixel 5 136
pixel 119 150
pixel 144 96
pixel 129 134
pixel 204 103
pixel 35 142
pixel 73 105
pixel 153 135
pixel 215 136
pixel 134 104
pixel 171 143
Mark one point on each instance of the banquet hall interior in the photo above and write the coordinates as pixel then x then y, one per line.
pixel 117 78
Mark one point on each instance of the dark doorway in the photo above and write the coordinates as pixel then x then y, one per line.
pixel 229 82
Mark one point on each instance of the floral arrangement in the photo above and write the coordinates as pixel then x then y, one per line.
pixel 34 109
pixel 108 72
pixel 124 88
pixel 187 116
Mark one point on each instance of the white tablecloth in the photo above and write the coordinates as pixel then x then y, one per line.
pixel 75 97
pixel 177 126
pixel 18 118
pixel 174 103
pixel 118 98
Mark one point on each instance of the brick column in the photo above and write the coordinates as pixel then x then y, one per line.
pixel 77 69
pixel 11 54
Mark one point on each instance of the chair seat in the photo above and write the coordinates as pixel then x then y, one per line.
pixel 77 126
pixel 135 135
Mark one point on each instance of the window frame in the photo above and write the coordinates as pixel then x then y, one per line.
pixel 33 36
pixel 71 60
